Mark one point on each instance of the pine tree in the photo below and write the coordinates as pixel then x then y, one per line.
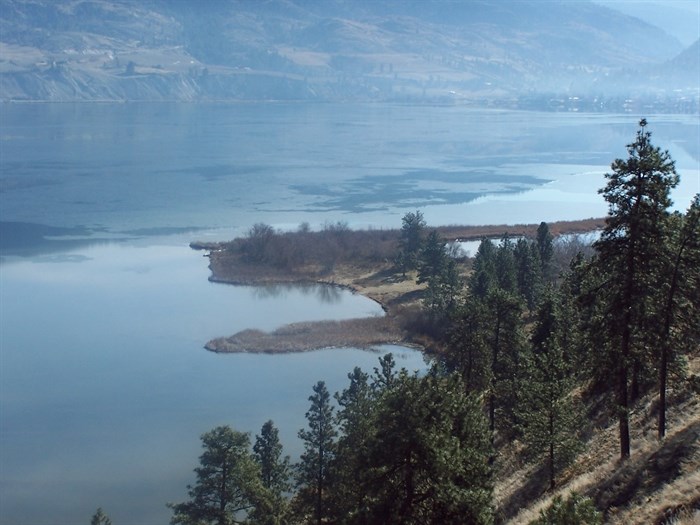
pixel 545 248
pixel 528 271
pixel 385 375
pixel 680 308
pixel 438 269
pixel 313 471
pixel 410 241
pixel 572 338
pixel 483 276
pixel 630 250
pixel 467 352
pixel 494 285
pixel 274 475
pixel 504 339
pixel 356 423
pixel 548 413
pixel 228 481
pixel 429 455
pixel 432 258
pixel 506 276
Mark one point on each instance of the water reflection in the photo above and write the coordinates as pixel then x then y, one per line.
pixel 327 294
pixel 416 188
pixel 28 239
pixel 61 258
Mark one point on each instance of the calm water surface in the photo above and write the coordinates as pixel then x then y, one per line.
pixel 115 170
pixel 104 385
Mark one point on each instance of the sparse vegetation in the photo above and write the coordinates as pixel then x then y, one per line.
pixel 575 510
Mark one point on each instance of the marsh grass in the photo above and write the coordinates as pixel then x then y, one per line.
pixel 302 337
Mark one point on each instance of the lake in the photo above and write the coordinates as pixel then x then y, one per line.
pixel 104 310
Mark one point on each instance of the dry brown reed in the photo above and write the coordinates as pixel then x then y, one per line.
pixel 303 337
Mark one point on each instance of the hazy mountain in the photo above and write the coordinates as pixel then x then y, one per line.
pixel 434 50
pixel 679 18
pixel 683 68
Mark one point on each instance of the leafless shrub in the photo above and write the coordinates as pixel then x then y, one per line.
pixel 566 247
pixel 324 249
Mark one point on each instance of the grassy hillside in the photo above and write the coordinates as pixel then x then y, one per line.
pixel 659 484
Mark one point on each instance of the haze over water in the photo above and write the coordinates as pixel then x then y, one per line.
pixel 104 384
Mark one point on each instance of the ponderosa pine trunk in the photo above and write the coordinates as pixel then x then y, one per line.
pixel 664 358
pixel 551 451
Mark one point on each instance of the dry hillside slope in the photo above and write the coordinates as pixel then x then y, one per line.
pixel 659 484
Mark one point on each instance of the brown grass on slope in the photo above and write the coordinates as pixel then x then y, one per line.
pixel 660 483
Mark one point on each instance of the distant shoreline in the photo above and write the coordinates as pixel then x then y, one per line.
pixel 396 294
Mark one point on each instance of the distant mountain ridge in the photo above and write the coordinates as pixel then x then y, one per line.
pixel 476 51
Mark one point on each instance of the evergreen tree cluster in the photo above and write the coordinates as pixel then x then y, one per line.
pixel 639 294
pixel 427 254
pixel 518 343
pixel 618 322
pixel 394 448
pixel 523 336
pixel 235 485
pixel 510 339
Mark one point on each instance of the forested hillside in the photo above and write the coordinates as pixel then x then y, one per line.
pixel 556 394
